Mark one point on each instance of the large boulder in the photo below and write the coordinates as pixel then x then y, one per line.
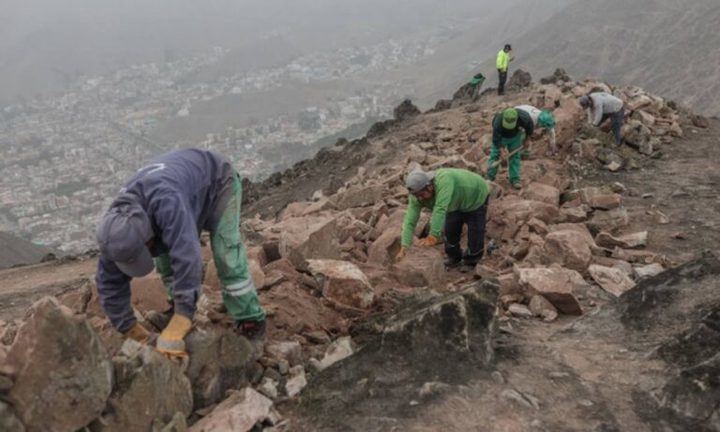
pixel 556 284
pixel 569 248
pixel 342 282
pixel 359 196
pixel 310 237
pixel 385 248
pixel 542 192
pixel 219 361
pixel 238 413
pixel 405 110
pixel 519 80
pixel 148 388
pixel 421 267
pixel 611 279
pixel 457 325
pixel 62 374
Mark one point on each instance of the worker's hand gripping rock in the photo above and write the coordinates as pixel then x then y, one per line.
pixel 428 241
pixel 171 341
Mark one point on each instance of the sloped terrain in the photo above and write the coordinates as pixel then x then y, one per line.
pixel 594 308
pixel 16 251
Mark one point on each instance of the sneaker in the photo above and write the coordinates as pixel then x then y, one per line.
pixel 253 330
pixel 517 185
pixel 452 262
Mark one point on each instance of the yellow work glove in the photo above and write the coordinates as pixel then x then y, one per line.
pixel 428 241
pixel 170 342
pixel 138 333
pixel 401 254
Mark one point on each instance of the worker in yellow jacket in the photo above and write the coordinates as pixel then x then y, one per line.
pixel 502 63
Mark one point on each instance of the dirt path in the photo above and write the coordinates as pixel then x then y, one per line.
pixel 21 286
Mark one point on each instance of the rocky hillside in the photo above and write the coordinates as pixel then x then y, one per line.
pixel 670 47
pixel 592 310
pixel 16 251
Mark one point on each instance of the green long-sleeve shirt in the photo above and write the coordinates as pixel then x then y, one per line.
pixel 455 190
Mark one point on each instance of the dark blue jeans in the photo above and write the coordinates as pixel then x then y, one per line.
pixel 617 119
pixel 475 221
pixel 502 79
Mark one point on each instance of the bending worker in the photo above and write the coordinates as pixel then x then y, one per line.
pixel 456 197
pixel 543 120
pixel 601 106
pixel 160 213
pixel 510 128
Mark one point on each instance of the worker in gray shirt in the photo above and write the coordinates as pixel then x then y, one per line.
pixel 602 106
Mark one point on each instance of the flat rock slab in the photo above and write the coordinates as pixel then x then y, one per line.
pixel 611 279
pixel 556 284
pixel 238 413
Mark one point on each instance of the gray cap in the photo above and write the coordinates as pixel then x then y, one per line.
pixel 584 101
pixel 122 235
pixel 419 180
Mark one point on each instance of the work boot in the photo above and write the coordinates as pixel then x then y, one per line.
pixel 516 185
pixel 253 330
pixel 452 262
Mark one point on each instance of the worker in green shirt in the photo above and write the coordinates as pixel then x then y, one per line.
pixel 510 128
pixel 456 197
pixel 502 63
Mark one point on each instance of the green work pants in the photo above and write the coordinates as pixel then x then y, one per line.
pixel 238 290
pixel 511 144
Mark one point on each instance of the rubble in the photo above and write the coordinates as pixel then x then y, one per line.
pixel 612 280
pixel 421 267
pixel 556 284
pixel 569 248
pixel 627 241
pixel 59 356
pixel 238 413
pixel 340 349
pixel 542 308
pixel 342 282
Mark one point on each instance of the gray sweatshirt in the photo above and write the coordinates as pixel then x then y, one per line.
pixel 603 103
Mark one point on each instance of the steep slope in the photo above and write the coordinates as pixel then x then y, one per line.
pixel 670 47
pixel 16 251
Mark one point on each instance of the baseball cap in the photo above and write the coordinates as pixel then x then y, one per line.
pixel 418 180
pixel 584 100
pixel 121 236
pixel 510 116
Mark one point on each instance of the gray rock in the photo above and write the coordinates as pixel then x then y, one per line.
pixel 149 388
pixel 219 361
pixel 8 420
pixel 62 373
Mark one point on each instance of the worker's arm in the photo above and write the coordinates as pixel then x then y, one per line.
pixel 496 136
pixel 597 112
pixel 526 123
pixel 443 195
pixel 412 215
pixel 180 235
pixel 113 287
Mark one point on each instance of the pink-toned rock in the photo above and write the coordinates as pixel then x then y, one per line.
pixel 627 241
pixel 541 307
pixel 556 284
pixel 343 282
pixel 515 211
pixel 295 209
pixel 421 267
pixel 385 248
pixel 359 196
pixel 612 280
pixel 308 237
pixel 149 293
pixel 573 214
pixel 569 249
pixel 318 206
pixel 542 192
pixel 609 220
pixel 238 413
pixel 605 201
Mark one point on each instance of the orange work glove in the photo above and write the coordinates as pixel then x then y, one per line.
pixel 428 241
pixel 138 334
pixel 171 341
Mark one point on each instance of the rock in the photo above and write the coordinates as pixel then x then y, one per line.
pixel 297 381
pixel 342 282
pixel 558 75
pixel 421 267
pixel 612 280
pixel 556 284
pixel 240 412
pixel 573 214
pixel 485 272
pixel 289 350
pixel 308 238
pixel 604 202
pixel 268 387
pixel 627 241
pixel 608 220
pixel 569 249
pixel 644 117
pixel 699 121
pixel 405 110
pixel 519 79
pixel 648 270
pixel 177 424
pixel 148 386
pixel 148 293
pixel 62 373
pixel 459 325
pixel 541 307
pixel 340 349
pixel 9 422
pixel 639 102
pixel 359 196
pixel 552 97
pixel 613 166
pixel 513 212
pixel 541 192
pixel 520 310
pixel 385 248
pixel 219 361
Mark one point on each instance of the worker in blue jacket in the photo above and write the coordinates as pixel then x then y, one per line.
pixel 159 214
